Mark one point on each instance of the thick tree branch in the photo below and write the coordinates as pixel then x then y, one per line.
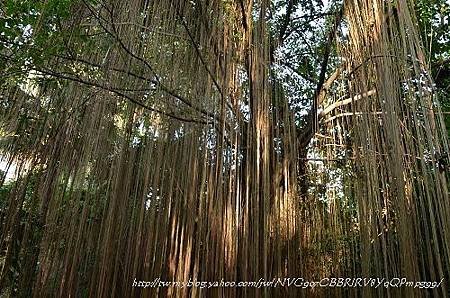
pixel 324 65
pixel 287 19
pixel 308 132
pixel 327 85
pixel 347 101
pixel 350 114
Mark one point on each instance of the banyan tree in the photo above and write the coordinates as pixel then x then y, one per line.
pixel 183 141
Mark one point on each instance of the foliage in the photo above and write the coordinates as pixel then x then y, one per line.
pixel 31 32
pixel 434 20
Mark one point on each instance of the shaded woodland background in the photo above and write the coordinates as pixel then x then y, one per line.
pixel 223 139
